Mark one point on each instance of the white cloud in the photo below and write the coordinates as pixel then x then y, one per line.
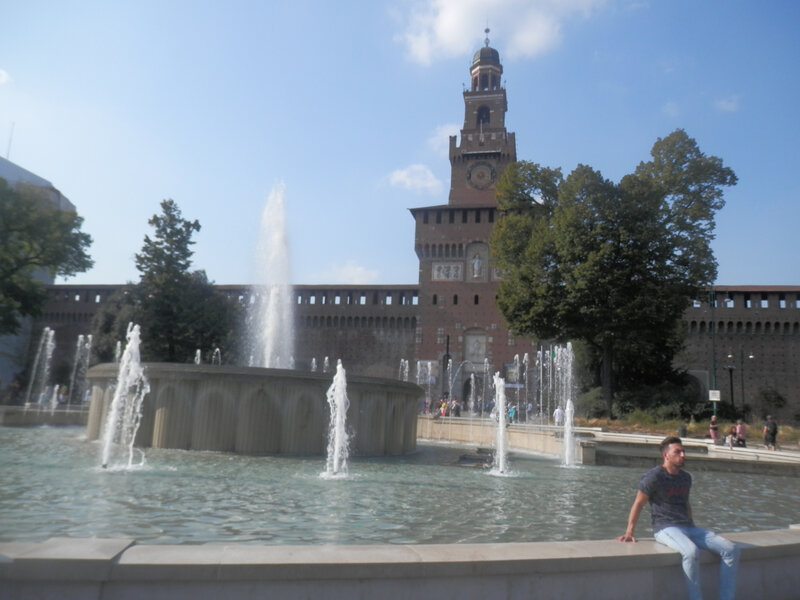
pixel 350 273
pixel 417 178
pixel 439 141
pixel 4 77
pixel 444 28
pixel 671 109
pixel 729 104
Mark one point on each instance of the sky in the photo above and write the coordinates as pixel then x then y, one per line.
pixel 349 105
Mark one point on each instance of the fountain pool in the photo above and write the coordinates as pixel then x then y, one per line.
pixel 54 487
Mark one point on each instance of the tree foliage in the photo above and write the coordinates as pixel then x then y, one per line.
pixel 614 265
pixel 178 310
pixel 36 239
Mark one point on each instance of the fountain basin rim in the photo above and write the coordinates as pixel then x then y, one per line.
pixel 164 370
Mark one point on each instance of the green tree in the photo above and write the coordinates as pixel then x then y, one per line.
pixel 178 310
pixel 614 265
pixel 36 238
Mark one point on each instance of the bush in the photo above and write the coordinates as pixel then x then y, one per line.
pixel 590 405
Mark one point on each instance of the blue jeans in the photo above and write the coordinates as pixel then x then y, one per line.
pixel 688 541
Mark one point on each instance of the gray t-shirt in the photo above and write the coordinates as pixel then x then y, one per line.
pixel 669 497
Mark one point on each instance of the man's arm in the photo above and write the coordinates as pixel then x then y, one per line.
pixel 636 509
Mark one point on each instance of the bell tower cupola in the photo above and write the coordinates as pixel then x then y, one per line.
pixel 486 147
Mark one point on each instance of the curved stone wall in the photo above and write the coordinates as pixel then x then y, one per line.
pixel 252 410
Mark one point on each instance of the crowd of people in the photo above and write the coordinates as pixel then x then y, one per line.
pixel 452 407
pixel 736 435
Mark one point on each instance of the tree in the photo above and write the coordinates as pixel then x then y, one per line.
pixel 179 311
pixel 614 265
pixel 36 238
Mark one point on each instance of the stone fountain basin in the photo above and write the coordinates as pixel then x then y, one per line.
pixel 252 410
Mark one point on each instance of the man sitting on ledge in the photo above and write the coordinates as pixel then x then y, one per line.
pixel 666 487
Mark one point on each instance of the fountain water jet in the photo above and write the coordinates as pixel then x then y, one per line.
pixel 41 368
pixel 273 321
pixel 80 364
pixel 501 452
pixel 564 358
pixel 338 440
pixel 125 411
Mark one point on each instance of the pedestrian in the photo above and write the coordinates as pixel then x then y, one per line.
pixel 741 434
pixel 770 433
pixel 558 415
pixel 666 488
pixel 713 428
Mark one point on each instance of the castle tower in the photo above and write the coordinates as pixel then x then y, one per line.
pixel 458 316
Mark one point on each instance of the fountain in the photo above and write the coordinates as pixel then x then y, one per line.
pixel 338 440
pixel 500 451
pixel 216 357
pixel 267 407
pixel 402 373
pixel 40 373
pixel 273 319
pixel 77 381
pixel 125 412
pixel 564 358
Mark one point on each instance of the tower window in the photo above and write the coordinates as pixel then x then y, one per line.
pixel 476 299
pixel 483 115
pixel 455 299
pixel 435 300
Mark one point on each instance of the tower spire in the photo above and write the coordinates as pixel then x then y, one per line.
pixel 486 31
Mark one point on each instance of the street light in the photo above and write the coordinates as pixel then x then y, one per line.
pixel 741 372
pixel 730 369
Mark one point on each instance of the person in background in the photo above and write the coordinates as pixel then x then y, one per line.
pixel 730 438
pixel 741 434
pixel 713 428
pixel 666 488
pixel 558 415
pixel 770 433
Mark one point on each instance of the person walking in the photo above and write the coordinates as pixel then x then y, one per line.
pixel 666 488
pixel 770 433
pixel 558 415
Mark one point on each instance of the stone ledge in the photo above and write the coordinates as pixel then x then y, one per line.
pixel 65 559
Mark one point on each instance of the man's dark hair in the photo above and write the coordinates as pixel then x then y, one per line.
pixel 665 443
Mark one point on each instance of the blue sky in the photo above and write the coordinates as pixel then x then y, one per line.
pixel 122 104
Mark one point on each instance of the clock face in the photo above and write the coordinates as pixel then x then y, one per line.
pixel 481 175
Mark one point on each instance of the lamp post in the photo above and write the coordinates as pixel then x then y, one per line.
pixel 741 372
pixel 730 369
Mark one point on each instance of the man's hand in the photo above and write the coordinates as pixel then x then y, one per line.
pixel 626 538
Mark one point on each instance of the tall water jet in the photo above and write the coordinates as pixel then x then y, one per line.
pixel 40 373
pixel 125 411
pixel 338 441
pixel 472 394
pixel 80 364
pixel 216 357
pixel 198 357
pixel 273 321
pixel 564 358
pixel 501 452
pixel 402 374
